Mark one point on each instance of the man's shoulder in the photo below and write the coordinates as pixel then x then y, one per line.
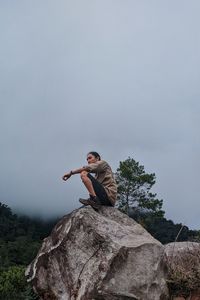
pixel 104 164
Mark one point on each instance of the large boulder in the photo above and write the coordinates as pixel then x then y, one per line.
pixel 101 255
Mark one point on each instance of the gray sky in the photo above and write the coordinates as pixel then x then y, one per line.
pixel 118 77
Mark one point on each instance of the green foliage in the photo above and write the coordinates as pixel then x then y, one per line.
pixel 13 285
pixel 195 236
pixel 20 237
pixel 20 240
pixel 20 251
pixel 12 226
pixel 166 231
pixel 136 200
pixel 134 186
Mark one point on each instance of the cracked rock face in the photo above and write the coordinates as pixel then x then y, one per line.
pixel 101 255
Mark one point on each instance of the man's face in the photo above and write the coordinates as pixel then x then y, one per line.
pixel 91 159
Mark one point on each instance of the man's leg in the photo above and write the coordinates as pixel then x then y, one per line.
pixel 88 183
pixel 93 200
pixel 99 191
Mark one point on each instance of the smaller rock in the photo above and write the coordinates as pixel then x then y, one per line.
pixel 183 260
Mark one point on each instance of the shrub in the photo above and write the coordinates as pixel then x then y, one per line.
pixel 184 271
pixel 13 285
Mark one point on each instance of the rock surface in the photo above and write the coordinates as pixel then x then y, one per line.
pixel 180 248
pixel 183 261
pixel 101 255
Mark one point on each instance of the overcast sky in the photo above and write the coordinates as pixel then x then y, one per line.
pixel 119 77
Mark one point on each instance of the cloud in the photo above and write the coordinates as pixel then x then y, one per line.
pixel 117 77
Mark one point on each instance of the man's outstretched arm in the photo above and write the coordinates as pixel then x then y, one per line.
pixel 72 172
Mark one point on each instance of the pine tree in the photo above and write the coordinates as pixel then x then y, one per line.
pixel 134 186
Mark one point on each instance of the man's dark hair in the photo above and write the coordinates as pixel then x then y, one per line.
pixel 95 154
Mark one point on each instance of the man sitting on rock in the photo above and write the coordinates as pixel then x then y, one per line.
pixel 102 188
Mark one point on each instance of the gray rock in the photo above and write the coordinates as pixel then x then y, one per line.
pixel 101 255
pixel 181 248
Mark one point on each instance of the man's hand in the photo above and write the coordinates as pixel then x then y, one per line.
pixel 67 176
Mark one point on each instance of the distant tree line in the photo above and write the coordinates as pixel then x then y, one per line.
pixel 21 236
pixel 20 240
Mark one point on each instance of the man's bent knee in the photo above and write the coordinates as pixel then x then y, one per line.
pixel 83 175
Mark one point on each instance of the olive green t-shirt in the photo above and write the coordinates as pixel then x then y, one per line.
pixel 104 175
